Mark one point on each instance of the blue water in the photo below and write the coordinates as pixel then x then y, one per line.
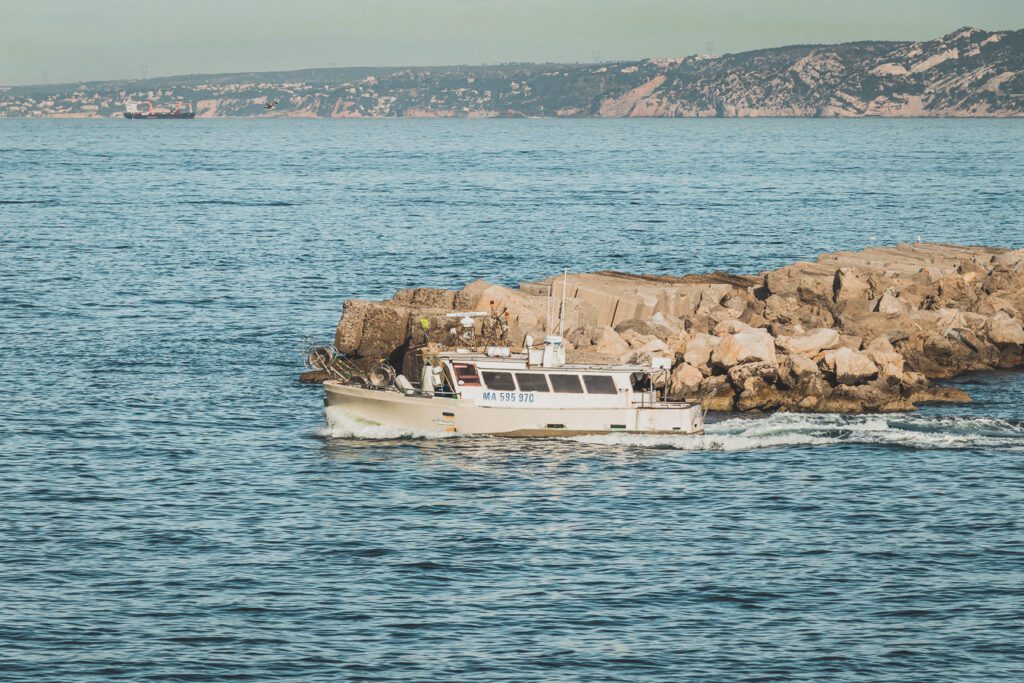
pixel 172 509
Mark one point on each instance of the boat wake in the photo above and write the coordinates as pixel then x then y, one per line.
pixel 788 429
pixel 341 426
pixel 781 430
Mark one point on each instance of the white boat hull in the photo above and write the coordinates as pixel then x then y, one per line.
pixel 345 403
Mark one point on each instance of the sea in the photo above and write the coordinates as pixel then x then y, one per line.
pixel 173 508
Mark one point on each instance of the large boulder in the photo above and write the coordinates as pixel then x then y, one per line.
pixel 994 303
pixel 849 366
pixel 744 347
pixel 685 381
pixel 766 370
pixel 850 284
pixel 610 343
pixel 796 371
pixel 372 330
pixel 880 344
pixel 636 339
pixel 890 304
pixel 667 325
pixel 804 282
pixel 721 396
pixel 758 394
pixel 699 349
pixel 786 310
pixel 864 398
pixel 1003 330
pixel 653 347
pixel 810 344
pixel 885 356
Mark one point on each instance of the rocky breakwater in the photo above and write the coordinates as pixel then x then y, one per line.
pixel 849 332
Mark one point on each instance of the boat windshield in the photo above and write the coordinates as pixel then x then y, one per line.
pixel 466 374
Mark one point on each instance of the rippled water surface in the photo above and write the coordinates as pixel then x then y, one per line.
pixel 172 508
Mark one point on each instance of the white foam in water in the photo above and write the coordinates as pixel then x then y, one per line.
pixel 341 426
pixel 789 429
pixel 775 431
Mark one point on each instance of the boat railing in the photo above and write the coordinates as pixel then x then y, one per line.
pixel 651 399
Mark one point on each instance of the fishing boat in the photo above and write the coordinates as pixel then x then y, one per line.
pixel 493 390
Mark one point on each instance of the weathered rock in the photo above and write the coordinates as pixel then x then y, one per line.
pixel 685 381
pixel 743 347
pixel 758 394
pixel 953 292
pixel 790 311
pixel 795 371
pixel 611 343
pixel 375 330
pixel 938 394
pixel 1004 330
pixel 731 326
pixel 851 285
pixel 993 303
pixel 699 349
pixel 753 319
pixel 889 364
pixel 890 304
pixel 718 394
pixel 653 347
pixel 426 297
pixel 881 344
pixel 807 283
pixel 640 327
pixel 850 341
pixel 849 366
pixel 810 344
pixel 664 321
pixel 637 339
pixel 864 398
pixel 766 370
pixel 914 381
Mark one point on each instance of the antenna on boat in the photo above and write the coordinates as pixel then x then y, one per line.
pixel 561 311
pixel 547 320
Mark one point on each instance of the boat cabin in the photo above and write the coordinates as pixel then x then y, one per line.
pixel 500 378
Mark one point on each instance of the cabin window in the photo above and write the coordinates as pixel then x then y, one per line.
pixel 566 384
pixel 466 375
pixel 499 381
pixel 600 384
pixel 532 382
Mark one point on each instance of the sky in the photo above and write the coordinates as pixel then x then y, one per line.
pixel 72 40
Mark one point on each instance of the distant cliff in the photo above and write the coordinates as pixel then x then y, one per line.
pixel 969 72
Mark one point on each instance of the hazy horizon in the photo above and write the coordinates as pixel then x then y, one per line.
pixel 59 41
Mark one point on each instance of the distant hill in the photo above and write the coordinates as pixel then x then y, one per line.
pixel 969 72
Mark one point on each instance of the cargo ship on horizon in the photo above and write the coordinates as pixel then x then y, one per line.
pixel 146 110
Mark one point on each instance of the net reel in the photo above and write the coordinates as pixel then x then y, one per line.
pixel 381 376
pixel 324 357
pixel 317 355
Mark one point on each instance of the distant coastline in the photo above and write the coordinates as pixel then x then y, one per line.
pixel 967 73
